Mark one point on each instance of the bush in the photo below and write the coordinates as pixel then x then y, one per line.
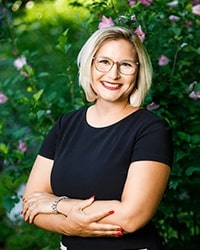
pixel 45 42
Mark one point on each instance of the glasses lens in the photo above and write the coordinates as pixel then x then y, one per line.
pixel 127 67
pixel 103 64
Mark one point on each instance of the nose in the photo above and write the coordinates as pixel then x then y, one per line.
pixel 114 72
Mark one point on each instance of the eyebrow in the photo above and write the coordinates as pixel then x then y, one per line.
pixel 126 60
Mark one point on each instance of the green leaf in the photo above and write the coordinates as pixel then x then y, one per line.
pixel 195 139
pixel 191 170
pixel 63 44
pixel 43 74
pixel 40 113
pixel 4 148
pixel 196 87
pixel 9 202
pixel 183 136
pixel 37 95
pixel 29 70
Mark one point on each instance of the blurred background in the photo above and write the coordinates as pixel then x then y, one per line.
pixel 39 43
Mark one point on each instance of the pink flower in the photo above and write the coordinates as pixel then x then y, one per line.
pixel 195 92
pixel 106 22
pixel 22 146
pixel 140 33
pixel 196 9
pixel 163 60
pixel 195 95
pixel 172 4
pixel 131 2
pixel 20 62
pixel 22 66
pixel 191 86
pixel 188 23
pixel 174 18
pixel 146 2
pixel 3 98
pixel 153 106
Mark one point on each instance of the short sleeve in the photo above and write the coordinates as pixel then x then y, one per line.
pixel 154 143
pixel 48 147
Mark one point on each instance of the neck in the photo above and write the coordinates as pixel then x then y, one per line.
pixel 111 108
pixel 104 114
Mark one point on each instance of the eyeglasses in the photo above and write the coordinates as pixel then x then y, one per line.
pixel 105 64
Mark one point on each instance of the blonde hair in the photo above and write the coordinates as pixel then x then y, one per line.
pixel 93 44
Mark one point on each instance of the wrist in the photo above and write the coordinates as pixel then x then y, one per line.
pixel 55 204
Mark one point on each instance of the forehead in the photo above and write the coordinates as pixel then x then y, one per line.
pixel 117 49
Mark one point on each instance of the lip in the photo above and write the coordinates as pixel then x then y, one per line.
pixel 111 85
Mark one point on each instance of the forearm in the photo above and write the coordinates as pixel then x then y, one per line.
pixel 59 223
pixel 76 223
pixel 56 223
pixel 128 219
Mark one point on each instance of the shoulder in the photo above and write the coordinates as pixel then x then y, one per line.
pixel 148 115
pixel 145 119
pixel 71 116
pixel 153 138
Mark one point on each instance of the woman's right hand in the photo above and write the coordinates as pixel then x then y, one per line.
pixel 84 225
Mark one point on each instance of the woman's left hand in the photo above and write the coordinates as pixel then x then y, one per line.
pixel 37 203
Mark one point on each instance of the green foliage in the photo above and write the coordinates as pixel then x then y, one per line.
pixel 49 35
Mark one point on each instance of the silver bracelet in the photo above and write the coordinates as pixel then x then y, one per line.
pixel 55 203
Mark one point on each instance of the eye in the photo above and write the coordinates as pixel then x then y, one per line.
pixel 104 62
pixel 126 64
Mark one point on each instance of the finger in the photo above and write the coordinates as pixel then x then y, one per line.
pixel 99 233
pixel 32 216
pixel 31 212
pixel 27 204
pixel 27 211
pixel 96 226
pixel 85 203
pixel 115 234
pixel 100 215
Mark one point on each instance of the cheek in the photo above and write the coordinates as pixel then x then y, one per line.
pixel 95 75
pixel 132 85
pixel 131 88
pixel 135 79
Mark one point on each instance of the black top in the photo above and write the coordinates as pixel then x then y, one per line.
pixel 95 161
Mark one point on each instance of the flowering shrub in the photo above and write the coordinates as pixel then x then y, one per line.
pixel 196 9
pixel 40 82
pixel 163 60
pixel 106 22
pixel 3 98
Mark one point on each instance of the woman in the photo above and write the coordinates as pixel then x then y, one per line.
pixel 113 151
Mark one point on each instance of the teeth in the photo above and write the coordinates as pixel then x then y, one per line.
pixel 111 85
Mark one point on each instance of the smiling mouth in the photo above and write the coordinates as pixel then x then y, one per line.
pixel 111 86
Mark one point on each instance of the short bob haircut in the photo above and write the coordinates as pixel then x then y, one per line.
pixel 94 43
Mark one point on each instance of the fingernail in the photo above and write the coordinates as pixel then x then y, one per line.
pixel 119 229
pixel 22 212
pixel 111 212
pixel 92 197
pixel 118 234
